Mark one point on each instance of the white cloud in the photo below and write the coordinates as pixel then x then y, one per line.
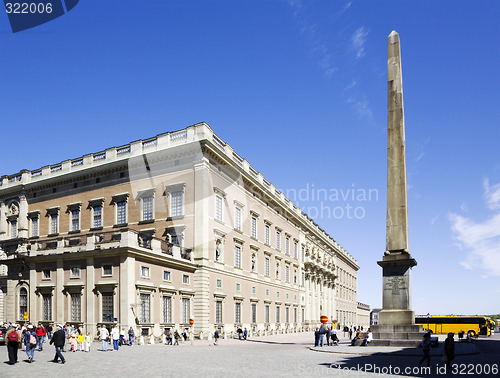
pixel 358 40
pixel 434 219
pixel 492 195
pixel 481 240
pixel 463 207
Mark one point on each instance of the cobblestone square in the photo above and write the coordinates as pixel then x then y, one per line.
pixel 273 356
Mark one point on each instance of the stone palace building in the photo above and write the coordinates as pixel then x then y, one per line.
pixel 161 231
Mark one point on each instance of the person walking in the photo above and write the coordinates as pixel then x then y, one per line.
pixel 177 337
pixel 30 342
pixel 58 339
pixel 80 340
pixel 449 349
pixel 13 338
pixel 40 336
pixel 316 337
pixel 131 336
pixel 322 332
pixel 104 336
pixel 169 338
pixel 327 335
pixel 216 337
pixel 115 335
pixel 245 333
pixel 426 348
pixel 49 330
pixel 87 341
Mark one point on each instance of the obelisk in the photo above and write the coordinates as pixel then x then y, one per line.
pixel 397 262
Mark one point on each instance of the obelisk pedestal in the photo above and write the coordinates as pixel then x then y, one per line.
pixel 396 319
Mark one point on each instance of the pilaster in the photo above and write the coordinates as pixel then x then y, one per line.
pixel 58 295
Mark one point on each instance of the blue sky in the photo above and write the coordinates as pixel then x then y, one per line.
pixel 299 89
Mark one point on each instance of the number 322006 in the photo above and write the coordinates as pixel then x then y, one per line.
pixel 28 8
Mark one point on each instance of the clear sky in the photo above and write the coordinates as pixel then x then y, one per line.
pixel 299 89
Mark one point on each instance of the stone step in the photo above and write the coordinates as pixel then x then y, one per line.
pixel 397 328
pixel 396 343
pixel 399 335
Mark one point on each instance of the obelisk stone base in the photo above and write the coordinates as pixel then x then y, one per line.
pixel 409 335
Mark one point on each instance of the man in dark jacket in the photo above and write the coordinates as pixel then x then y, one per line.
pixel 58 339
pixel 316 337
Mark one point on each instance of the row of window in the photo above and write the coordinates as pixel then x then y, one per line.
pixel 96 207
pixel 107 307
pixel 237 264
pixel 107 270
pixel 254 289
pixel 253 313
pixel 238 209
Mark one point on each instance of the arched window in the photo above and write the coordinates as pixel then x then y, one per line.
pixel 23 302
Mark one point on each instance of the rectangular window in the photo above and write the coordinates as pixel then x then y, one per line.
pixel 278 241
pixel 267 314
pixel 144 309
pixel 237 312
pixel 76 307
pixel 303 279
pixel 237 256
pixel 166 275
pixel 185 310
pixel 287 246
pixel 219 284
pixel 295 277
pixel 277 314
pixel 295 314
pixel 147 208
pixel 47 306
pixel 75 272
pixel 295 248
pixel 34 226
pixel 287 314
pixel 254 313
pixel 53 223
pixel 238 287
pixel 267 235
pixel 23 302
pixel 277 271
pixel 75 220
pixel 13 228
pixel 107 306
pixel 167 309
pixel 185 279
pixel 121 212
pixel 287 273
pixel 218 208
pixel 107 270
pixel 218 312
pixel 266 267
pixel 254 227
pixel 144 271
pixel 46 274
pixel 237 218
pixel 254 290
pixel 97 216
pixel 176 204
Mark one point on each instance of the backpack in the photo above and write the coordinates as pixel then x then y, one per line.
pixel 13 336
pixel 32 339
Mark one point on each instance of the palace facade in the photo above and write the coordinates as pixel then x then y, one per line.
pixel 161 231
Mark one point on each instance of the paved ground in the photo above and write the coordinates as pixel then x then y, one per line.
pixel 273 356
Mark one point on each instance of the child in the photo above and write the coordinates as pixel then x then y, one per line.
pixel 80 339
pixel 88 341
pixel 72 342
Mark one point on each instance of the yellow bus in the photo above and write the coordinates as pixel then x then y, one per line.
pixel 474 325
